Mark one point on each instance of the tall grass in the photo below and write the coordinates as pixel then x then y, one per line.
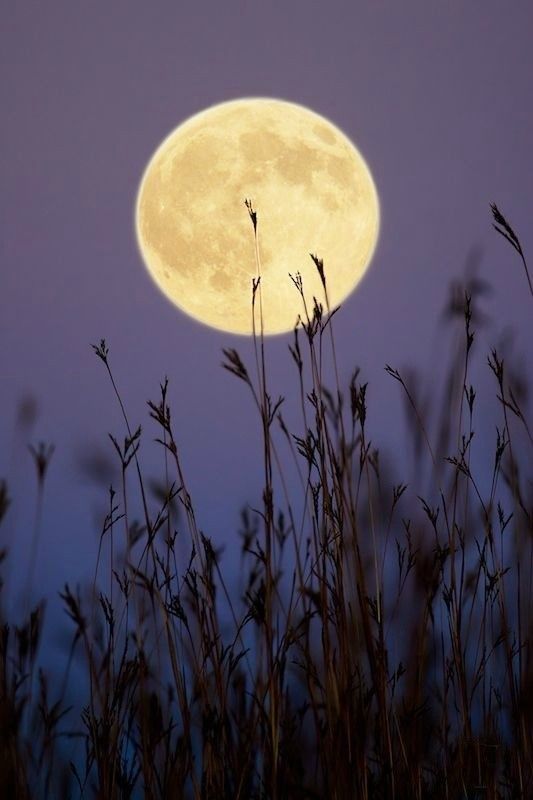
pixel 381 645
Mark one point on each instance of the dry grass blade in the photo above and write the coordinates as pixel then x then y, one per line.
pixel 501 225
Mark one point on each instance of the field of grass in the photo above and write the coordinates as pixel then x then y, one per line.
pixel 380 646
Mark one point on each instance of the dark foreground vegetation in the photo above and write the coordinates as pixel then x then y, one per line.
pixel 380 646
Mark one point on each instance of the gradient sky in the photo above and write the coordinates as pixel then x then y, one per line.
pixel 437 96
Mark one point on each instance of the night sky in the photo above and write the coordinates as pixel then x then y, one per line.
pixel 437 97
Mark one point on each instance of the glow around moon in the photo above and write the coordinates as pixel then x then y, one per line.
pixel 310 187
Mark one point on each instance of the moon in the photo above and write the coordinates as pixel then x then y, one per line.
pixel 312 192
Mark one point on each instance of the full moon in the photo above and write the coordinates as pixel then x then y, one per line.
pixel 312 192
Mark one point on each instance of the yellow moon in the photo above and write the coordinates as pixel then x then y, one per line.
pixel 312 192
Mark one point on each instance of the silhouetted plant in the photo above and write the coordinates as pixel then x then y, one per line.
pixel 381 643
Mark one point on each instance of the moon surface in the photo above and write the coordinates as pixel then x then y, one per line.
pixel 312 192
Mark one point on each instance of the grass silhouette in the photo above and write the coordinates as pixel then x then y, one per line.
pixel 381 645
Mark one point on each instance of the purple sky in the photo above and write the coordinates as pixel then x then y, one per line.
pixel 436 96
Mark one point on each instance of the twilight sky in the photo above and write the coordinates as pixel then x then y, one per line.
pixel 437 97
